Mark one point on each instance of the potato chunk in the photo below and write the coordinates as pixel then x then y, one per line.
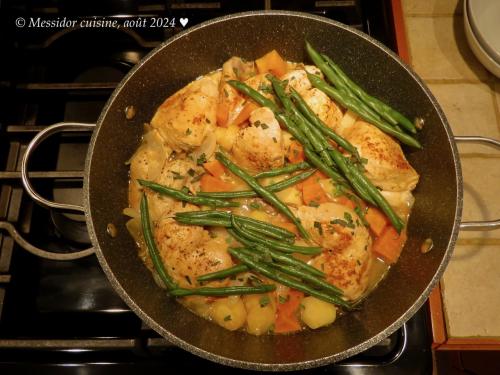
pixel 229 312
pixel 317 313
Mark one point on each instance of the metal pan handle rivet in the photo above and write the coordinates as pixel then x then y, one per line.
pixel 130 112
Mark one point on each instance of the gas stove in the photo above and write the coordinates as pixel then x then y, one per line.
pixel 63 316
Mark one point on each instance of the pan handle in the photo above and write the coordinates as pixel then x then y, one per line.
pixel 487 224
pixel 39 138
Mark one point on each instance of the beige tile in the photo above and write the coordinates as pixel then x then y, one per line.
pixel 439 49
pixel 471 295
pixel 469 107
pixel 435 7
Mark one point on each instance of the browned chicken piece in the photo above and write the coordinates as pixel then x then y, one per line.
pixel 147 163
pixel 297 78
pixel 325 108
pixel 347 244
pixel 185 118
pixel 230 101
pixel 386 167
pixel 259 147
pixel 188 251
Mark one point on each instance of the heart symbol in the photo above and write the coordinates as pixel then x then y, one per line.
pixel 184 21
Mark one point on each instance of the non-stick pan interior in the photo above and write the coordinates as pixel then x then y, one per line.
pixel 203 49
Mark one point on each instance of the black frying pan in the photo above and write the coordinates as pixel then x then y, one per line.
pixel 201 49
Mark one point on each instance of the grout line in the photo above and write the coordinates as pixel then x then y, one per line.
pixel 433 15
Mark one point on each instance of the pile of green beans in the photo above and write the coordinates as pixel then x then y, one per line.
pixel 262 233
pixel 224 218
pixel 254 262
pixel 357 100
pixel 182 196
pixel 384 110
pixel 171 286
pixel 264 193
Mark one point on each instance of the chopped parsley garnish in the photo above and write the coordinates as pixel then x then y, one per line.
pixel 188 131
pixel 361 215
pixel 185 190
pixel 227 318
pixel 348 218
pixel 283 299
pixel 207 120
pixel 188 279
pixel 235 71
pixel 339 222
pixel 202 159
pixel 197 178
pixel 264 126
pixel 264 301
pixel 177 175
pixel 212 234
pixel 255 206
pixel 275 140
pixel 267 89
pixel 226 94
pixel 317 225
pixel 256 123
pixel 313 203
pixel 191 172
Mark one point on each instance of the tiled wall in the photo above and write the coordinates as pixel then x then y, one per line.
pixel 470 97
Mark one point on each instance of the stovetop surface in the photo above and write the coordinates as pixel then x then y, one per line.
pixel 64 317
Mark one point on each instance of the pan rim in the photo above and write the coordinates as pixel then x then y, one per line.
pixel 290 365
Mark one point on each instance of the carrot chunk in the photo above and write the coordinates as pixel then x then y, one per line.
pixel 377 220
pixel 271 62
pixel 214 167
pixel 313 193
pixel 389 244
pixel 245 113
pixel 295 153
pixel 287 314
pixel 210 183
pixel 344 201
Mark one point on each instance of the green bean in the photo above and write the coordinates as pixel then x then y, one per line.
pixel 379 199
pixel 314 119
pixel 278 186
pixel 265 102
pixel 226 216
pixel 265 194
pixel 151 245
pixel 254 236
pixel 234 270
pixel 182 196
pixel 223 291
pixel 316 142
pixel 203 221
pixel 316 161
pixel 290 260
pixel 254 95
pixel 285 280
pixel 290 168
pixel 352 105
pixel 387 112
pixel 307 277
pixel 276 255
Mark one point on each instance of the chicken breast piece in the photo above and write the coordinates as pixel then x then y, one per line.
pixel 386 165
pixel 188 251
pixel 259 147
pixel 347 244
pixel 147 164
pixel 325 108
pixel 184 119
